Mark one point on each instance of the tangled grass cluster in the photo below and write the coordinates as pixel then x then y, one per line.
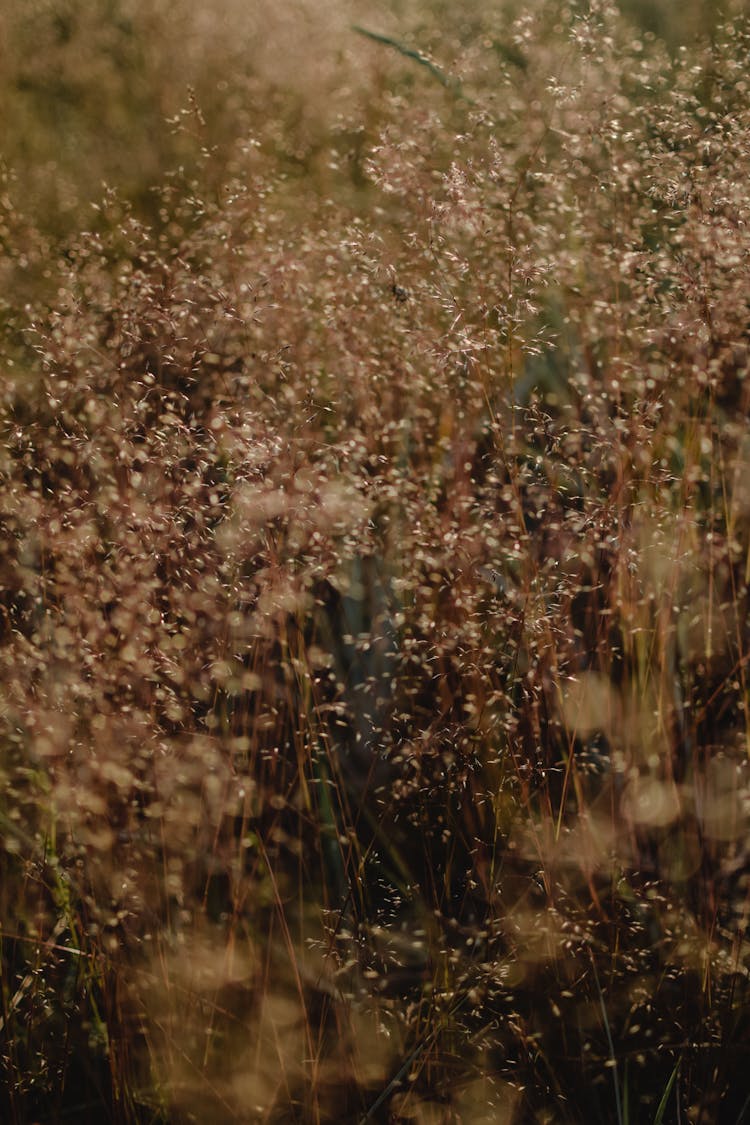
pixel 374 606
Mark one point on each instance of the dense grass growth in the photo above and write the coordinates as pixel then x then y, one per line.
pixel 374 581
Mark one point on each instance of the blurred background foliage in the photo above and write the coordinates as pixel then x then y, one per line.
pixel 129 95
pixel 125 92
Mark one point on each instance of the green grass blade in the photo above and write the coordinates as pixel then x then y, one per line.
pixel 662 1107
pixel 408 53
pixel 610 1042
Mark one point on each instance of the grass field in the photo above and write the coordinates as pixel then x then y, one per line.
pixel 374 564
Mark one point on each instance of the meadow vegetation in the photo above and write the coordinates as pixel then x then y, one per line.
pixel 374 563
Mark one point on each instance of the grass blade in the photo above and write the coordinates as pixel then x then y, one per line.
pixel 610 1043
pixel 407 52
pixel 662 1107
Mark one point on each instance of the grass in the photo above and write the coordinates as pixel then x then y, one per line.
pixel 374 571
